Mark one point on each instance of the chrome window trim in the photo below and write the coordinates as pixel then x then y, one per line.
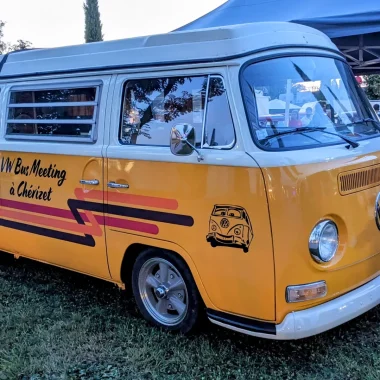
pixel 46 138
pixel 205 111
pixel 51 121
pixel 56 104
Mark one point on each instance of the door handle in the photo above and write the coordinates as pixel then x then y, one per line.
pixel 89 182
pixel 114 185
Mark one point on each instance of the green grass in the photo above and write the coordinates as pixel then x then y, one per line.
pixel 55 324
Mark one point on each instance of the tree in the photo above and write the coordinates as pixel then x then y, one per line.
pixel 19 45
pixel 373 86
pixel 93 25
pixel 8 47
pixel 3 45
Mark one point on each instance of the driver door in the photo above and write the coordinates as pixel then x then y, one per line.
pixel 155 197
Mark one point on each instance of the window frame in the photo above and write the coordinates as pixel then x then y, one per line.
pixel 248 112
pixel 94 122
pixel 204 121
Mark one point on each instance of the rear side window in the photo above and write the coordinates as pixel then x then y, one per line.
pixel 56 113
pixel 151 107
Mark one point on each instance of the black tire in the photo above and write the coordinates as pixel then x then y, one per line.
pixel 191 316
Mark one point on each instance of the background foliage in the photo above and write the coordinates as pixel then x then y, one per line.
pixel 93 25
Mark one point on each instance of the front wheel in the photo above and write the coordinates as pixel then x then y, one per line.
pixel 165 291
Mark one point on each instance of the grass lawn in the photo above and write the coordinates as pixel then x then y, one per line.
pixel 55 324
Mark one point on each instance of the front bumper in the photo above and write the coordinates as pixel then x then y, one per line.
pixel 313 321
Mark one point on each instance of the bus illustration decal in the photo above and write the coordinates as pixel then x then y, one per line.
pixel 230 226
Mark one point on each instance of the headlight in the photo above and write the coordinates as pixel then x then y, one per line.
pixel 213 226
pixel 324 241
pixel 236 230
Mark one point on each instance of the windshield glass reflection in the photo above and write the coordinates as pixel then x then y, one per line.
pixel 314 97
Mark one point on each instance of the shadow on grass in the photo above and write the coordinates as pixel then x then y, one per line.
pixel 60 323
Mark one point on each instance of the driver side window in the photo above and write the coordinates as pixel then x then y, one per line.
pixel 152 107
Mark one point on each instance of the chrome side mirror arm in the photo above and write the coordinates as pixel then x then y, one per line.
pixel 182 141
pixel 199 155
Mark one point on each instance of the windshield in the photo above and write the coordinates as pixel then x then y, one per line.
pixel 227 211
pixel 286 94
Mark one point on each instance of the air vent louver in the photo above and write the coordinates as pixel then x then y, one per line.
pixel 360 179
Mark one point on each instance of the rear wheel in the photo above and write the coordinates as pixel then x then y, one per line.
pixel 165 291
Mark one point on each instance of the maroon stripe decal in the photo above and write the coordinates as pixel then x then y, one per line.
pixel 132 225
pixel 67 214
pixel 52 211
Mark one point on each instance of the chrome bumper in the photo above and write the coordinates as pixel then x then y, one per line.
pixel 313 321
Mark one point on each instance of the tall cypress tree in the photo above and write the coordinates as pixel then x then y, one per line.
pixel 93 25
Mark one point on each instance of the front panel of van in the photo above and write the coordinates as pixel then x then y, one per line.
pixel 317 142
pixel 303 195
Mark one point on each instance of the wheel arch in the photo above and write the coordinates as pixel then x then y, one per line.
pixel 135 249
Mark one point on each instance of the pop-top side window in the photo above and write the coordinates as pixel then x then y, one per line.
pixel 152 107
pixel 60 113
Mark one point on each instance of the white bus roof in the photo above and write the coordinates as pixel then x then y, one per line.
pixel 203 45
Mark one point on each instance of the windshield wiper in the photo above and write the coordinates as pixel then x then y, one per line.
pixel 352 143
pixel 366 121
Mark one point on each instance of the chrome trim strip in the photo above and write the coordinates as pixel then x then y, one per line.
pixel 51 104
pixel 51 121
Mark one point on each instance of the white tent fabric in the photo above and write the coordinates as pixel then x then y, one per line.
pixel 277 104
pixel 353 25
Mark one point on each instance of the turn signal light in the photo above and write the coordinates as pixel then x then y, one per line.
pixel 307 292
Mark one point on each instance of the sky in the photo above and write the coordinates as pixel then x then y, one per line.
pixel 49 23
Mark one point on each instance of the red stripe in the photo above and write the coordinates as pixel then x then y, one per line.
pixel 128 224
pixel 132 225
pixel 60 213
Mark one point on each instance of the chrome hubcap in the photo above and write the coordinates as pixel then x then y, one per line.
pixel 163 291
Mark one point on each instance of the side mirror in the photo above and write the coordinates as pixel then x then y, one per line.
pixel 182 141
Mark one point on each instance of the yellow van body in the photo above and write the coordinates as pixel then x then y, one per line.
pixel 84 186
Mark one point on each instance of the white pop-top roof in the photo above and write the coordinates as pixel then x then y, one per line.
pixel 190 46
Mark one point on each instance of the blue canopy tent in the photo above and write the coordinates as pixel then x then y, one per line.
pixel 353 25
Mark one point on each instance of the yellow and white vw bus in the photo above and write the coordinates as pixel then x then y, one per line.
pixel 232 172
